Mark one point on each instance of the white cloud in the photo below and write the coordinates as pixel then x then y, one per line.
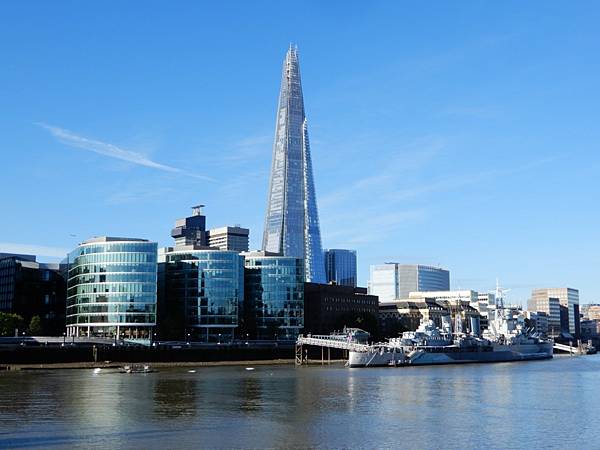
pixel 103 148
pixel 33 249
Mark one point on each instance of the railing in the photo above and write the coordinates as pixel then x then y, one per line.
pixel 570 349
pixel 332 342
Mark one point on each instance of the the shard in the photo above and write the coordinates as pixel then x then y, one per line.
pixel 292 221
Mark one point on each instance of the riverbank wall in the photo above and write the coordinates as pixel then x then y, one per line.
pixel 98 355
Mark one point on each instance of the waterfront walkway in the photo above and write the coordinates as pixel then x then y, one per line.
pixel 580 350
pixel 341 342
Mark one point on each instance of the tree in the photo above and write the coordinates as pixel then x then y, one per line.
pixel 35 326
pixel 9 322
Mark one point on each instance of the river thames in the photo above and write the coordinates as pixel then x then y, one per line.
pixel 541 404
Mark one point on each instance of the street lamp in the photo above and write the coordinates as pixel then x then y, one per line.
pixel 64 338
pixel 188 339
pixel 219 343
pixel 247 339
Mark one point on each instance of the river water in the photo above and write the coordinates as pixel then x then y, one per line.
pixel 540 404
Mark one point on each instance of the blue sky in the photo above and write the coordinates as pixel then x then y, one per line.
pixel 463 134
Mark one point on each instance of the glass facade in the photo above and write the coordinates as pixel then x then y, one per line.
pixel 292 222
pixel 340 266
pixel 274 297
pixel 392 281
pixel 111 288
pixel 433 279
pixel 204 291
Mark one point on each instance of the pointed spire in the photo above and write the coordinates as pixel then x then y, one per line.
pixel 292 222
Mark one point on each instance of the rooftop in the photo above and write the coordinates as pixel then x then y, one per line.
pixel 96 239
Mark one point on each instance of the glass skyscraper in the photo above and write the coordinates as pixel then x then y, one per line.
pixel 274 296
pixel 292 222
pixel 201 293
pixel 340 266
pixel 111 288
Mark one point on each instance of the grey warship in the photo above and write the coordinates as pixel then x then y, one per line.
pixel 505 340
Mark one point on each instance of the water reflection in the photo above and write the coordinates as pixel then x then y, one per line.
pixel 494 406
pixel 249 392
pixel 176 397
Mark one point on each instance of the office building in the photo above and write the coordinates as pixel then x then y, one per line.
pixel 201 292
pixel 19 256
pixel 228 238
pixel 330 307
pixel 590 328
pixel 340 266
pixel 292 221
pixel 393 281
pixel 406 315
pixel 568 298
pixel 590 311
pixel 191 230
pixel 30 288
pixel 551 307
pixel 111 288
pixel 457 303
pixel 273 296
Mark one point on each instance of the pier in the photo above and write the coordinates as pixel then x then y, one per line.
pixel 328 342
pixel 571 350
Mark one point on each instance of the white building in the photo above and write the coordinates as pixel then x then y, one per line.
pixel 228 238
pixel 393 281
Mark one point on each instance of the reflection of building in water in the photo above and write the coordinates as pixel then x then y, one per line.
pixel 176 397
pixel 250 394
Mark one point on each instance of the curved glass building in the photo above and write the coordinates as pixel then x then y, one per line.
pixel 111 288
pixel 274 296
pixel 203 292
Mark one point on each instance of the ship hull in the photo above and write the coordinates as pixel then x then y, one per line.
pixel 499 353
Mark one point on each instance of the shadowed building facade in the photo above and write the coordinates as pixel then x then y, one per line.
pixel 29 288
pixel 292 221
pixel 340 266
pixel 200 293
pixel 330 307
pixel 273 296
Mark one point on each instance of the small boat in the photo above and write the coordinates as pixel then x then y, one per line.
pixel 249 368
pixel 191 371
pixel 136 368
pixel 97 370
